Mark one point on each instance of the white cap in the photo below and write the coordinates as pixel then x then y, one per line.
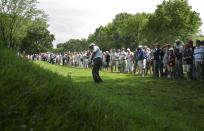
pixel 140 46
pixel 92 44
pixel 171 49
pixel 178 40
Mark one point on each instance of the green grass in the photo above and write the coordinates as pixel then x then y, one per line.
pixel 41 96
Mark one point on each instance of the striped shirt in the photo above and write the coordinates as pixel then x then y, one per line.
pixel 199 53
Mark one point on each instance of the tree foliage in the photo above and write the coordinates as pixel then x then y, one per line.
pixel 38 39
pixel 173 19
pixel 74 45
pixel 16 20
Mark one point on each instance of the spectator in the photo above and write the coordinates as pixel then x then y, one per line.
pixel 107 60
pixel 158 56
pixel 175 60
pixel 104 60
pixel 72 59
pixel 165 59
pixel 198 58
pixel 120 61
pixel 141 62
pixel 130 57
pixel 123 58
pixel 113 59
pixel 148 64
pixel 192 70
pixel 135 61
pixel 187 60
pixel 171 62
pixel 202 72
pixel 178 48
pixel 84 56
pixel 117 60
pixel 153 61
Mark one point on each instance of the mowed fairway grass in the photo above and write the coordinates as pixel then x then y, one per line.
pixel 141 103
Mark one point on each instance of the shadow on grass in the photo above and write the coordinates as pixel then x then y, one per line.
pixel 166 100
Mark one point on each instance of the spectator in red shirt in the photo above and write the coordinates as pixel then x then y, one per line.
pixel 171 63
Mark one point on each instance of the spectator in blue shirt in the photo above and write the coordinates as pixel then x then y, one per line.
pixel 141 55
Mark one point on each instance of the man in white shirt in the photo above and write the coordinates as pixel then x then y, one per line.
pixel 130 58
pixel 103 60
pixel 113 59
pixel 117 61
pixel 85 60
pixel 80 60
pixel 123 59
pixel 97 59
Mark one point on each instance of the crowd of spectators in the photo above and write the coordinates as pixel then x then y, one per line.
pixel 171 60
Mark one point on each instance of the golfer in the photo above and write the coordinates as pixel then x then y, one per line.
pixel 97 60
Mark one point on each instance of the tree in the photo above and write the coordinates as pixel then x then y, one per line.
pixel 74 45
pixel 14 15
pixel 126 30
pixel 172 20
pixel 38 38
pixel 132 30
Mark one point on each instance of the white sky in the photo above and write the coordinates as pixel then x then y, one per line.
pixel 79 18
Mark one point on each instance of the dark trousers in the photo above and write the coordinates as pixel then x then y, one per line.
pixel 95 71
pixel 158 67
pixel 179 68
pixel 63 61
pixel 52 61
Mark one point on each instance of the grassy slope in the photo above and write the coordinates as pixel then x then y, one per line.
pixel 33 98
pixel 38 99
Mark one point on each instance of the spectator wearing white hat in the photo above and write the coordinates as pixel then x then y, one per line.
pixel 141 60
pixel 123 59
pixel 113 59
pixel 171 62
pixel 85 60
pixel 178 49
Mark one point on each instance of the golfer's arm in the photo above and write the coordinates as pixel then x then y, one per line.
pixel 94 53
